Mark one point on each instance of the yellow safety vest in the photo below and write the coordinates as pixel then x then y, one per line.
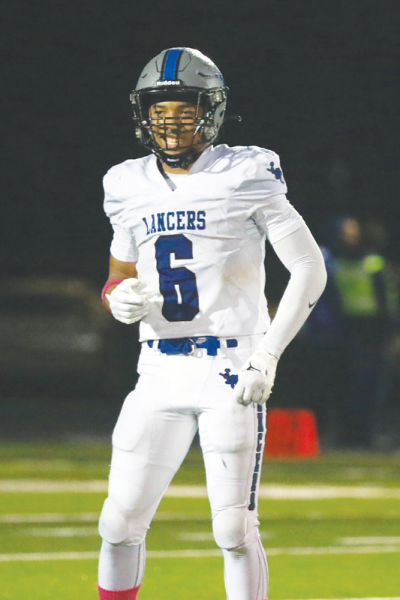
pixel 354 281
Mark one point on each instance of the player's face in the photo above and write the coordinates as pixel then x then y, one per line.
pixel 174 125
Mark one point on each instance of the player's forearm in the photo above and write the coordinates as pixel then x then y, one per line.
pixel 120 269
pixel 302 257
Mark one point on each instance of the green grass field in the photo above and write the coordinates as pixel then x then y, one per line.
pixel 337 547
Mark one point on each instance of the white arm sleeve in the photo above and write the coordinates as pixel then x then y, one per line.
pixel 301 255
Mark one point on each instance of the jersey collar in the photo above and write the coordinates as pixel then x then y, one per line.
pixel 201 162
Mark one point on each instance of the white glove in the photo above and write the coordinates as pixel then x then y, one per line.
pixel 256 378
pixel 127 303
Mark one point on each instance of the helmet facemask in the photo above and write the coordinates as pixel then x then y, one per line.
pixel 178 140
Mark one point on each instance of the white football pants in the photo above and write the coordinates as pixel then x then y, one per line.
pixel 176 395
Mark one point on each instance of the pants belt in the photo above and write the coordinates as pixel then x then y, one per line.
pixel 188 345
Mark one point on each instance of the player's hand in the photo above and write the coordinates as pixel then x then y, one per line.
pixel 128 303
pixel 256 378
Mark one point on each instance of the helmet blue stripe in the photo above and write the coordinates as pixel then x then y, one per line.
pixel 171 63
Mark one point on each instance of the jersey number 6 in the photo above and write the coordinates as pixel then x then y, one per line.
pixel 176 279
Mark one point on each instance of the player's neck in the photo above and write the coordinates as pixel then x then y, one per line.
pixel 183 170
pixel 176 171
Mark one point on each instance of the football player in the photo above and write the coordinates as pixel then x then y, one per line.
pixel 190 222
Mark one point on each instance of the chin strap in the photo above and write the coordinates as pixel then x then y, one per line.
pixel 178 161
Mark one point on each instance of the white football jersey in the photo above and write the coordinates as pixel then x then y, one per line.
pixel 200 248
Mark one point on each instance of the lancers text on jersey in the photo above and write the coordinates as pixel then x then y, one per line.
pixel 179 220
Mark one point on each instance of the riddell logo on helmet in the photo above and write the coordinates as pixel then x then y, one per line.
pixel 169 82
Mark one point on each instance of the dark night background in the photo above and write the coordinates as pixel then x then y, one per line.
pixel 316 81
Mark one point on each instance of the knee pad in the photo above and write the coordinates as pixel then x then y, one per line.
pixel 230 527
pixel 114 526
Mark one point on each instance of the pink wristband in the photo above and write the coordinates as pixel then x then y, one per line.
pixel 109 283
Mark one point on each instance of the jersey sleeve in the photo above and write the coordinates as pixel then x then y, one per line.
pixel 278 219
pixel 123 245
pixel 263 179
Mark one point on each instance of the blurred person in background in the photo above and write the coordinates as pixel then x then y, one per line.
pixel 350 331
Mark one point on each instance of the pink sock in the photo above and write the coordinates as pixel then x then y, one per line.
pixel 118 594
